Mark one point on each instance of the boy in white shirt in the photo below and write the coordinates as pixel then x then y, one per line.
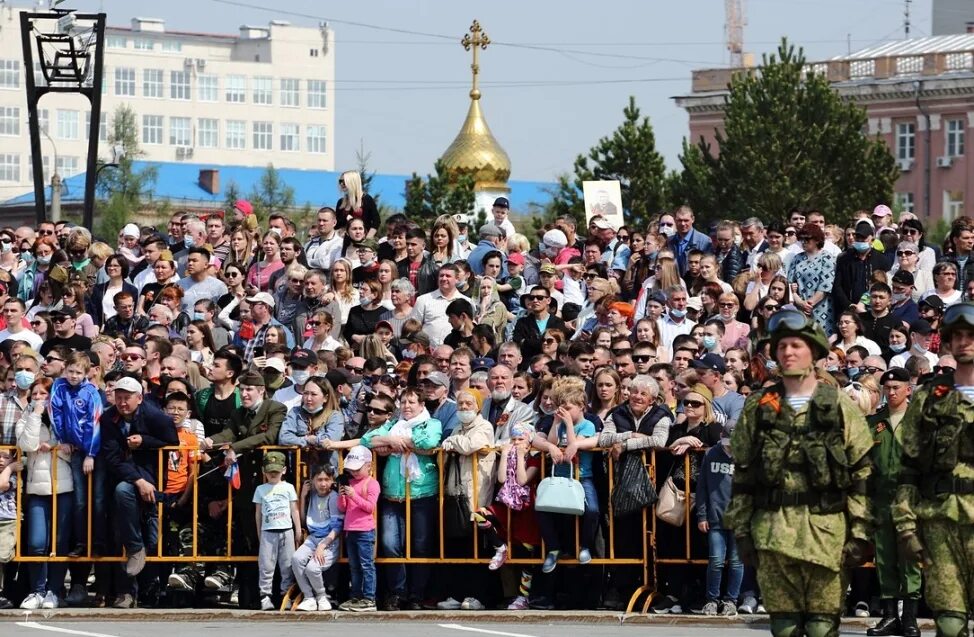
pixel 277 519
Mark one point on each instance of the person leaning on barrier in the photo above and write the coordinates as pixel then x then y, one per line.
pixel 934 506
pixel 131 433
pixel 800 517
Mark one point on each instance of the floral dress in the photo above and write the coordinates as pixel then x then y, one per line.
pixel 815 274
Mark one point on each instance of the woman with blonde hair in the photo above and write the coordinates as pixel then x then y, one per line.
pixel 865 393
pixel 373 347
pixel 241 247
pixel 355 204
pixel 341 289
pixel 490 310
pixel 769 266
pixel 387 273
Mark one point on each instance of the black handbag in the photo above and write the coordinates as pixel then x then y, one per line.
pixel 634 491
pixel 456 508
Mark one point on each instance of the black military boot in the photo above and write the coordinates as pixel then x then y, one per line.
pixel 890 623
pixel 909 621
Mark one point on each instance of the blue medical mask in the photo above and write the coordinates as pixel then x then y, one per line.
pixel 462 238
pixel 188 242
pixel 27 257
pixel 710 342
pixel 199 316
pixel 675 313
pixel 899 347
pixel 44 260
pixel 861 246
pixel 852 372
pixel 314 411
pixel 24 379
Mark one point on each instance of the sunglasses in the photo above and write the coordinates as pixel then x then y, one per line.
pixel 59 319
pixel 771 307
pixel 728 304
pixel 313 323
pixel 910 231
pixel 589 276
pixel 354 370
pixel 538 298
pixel 377 410
pixel 36 323
pixel 905 253
pixel 693 404
pixel 642 358
pixel 549 341
pixel 130 357
pixel 51 359
pixel 623 237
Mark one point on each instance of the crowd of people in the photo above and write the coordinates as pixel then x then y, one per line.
pixel 389 353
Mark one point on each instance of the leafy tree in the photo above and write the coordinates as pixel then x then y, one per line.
pixel 628 155
pixel 427 199
pixel 271 194
pixel 788 140
pixel 123 189
pixel 232 193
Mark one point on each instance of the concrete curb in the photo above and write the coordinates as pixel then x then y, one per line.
pixel 489 616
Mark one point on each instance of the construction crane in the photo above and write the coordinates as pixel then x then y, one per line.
pixel 734 14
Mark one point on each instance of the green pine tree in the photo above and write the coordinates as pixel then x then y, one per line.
pixel 427 199
pixel 122 190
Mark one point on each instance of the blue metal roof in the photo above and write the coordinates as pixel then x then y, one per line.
pixel 179 183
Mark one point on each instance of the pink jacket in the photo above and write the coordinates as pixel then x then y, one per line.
pixel 359 508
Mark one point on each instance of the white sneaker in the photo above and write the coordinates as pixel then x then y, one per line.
pixel 267 604
pixel 862 609
pixel 32 601
pixel 449 604
pixel 308 605
pixel 749 606
pixel 323 603
pixel 50 600
pixel 472 603
pixel 761 610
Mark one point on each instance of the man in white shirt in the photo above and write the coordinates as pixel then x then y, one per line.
pixel 13 311
pixel 323 250
pixel 430 308
pixel 674 322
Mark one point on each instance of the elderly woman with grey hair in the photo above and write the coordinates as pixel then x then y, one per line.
pixel 401 293
pixel 908 260
pixel 638 423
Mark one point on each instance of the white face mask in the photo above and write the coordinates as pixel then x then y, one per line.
pixel 466 417
pixel 667 231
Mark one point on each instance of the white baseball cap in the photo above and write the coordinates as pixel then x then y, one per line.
pixel 275 363
pixel 128 384
pixel 358 456
pixel 262 297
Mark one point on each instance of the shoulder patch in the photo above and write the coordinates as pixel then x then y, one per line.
pixel 881 427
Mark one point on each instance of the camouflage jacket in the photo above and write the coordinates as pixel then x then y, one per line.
pixel 796 531
pixel 937 438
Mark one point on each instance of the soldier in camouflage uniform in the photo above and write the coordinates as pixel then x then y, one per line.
pixel 799 509
pixel 934 507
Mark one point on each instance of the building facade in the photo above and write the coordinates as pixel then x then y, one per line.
pixel 919 98
pixel 264 95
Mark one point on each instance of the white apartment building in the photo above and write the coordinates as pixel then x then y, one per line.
pixel 264 95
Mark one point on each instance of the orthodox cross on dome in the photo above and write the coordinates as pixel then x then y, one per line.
pixel 478 41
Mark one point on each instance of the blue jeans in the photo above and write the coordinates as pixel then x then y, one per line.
pixel 423 515
pixel 79 522
pixel 723 547
pixel 45 578
pixel 548 522
pixel 360 546
pixel 136 528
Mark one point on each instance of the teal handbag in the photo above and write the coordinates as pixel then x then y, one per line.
pixel 560 495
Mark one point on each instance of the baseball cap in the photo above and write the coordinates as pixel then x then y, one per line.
pixel 921 326
pixel 602 223
pixel 302 358
pixel 385 324
pixel 658 297
pixel 548 268
pixel 482 363
pixel 896 373
pixel 261 297
pixel 275 363
pixel 129 384
pixel 244 206
pixel 461 219
pixel 516 258
pixel 902 277
pixel 438 378
pixel 419 338
pixel 502 202
pixel 357 457
pixel 713 362
pixel 935 302
pixel 882 210
pixel 864 229
pixel 555 239
pixel 274 461
pixel 490 230
pixel 339 376
pixel 70 312
pixel 695 303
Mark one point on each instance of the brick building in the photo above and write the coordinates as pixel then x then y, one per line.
pixel 919 97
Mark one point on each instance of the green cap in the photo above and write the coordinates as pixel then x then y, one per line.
pixel 794 323
pixel 369 243
pixel 274 461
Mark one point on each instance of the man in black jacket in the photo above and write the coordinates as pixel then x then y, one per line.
pixel 131 433
pixel 854 269
pixel 729 256
pixel 528 329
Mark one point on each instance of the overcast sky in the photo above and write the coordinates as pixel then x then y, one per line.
pixel 404 95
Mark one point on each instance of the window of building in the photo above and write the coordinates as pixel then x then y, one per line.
pixel 39 79
pixel 172 46
pixel 179 85
pixel 208 133
pixel 290 137
pixel 180 131
pixel 236 89
pixel 125 81
pixel 46 168
pixel 152 129
pixel 44 119
pixel 316 94
pixel 9 73
pixel 313 53
pixel 209 88
pixel 9 167
pixel 67 166
pixel 236 134
pixel 263 136
pixel 102 126
pixel 67 125
pixel 905 140
pixel 290 92
pixel 141 44
pixel 152 83
pixel 955 137
pixel 263 90
pixel 10 120
pixel 316 140
pixel 116 42
pixel 904 201
pixel 953 204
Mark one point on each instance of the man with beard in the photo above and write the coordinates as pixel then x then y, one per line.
pixel 500 408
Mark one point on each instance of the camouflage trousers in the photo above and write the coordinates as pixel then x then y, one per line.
pixel 791 586
pixel 950 573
